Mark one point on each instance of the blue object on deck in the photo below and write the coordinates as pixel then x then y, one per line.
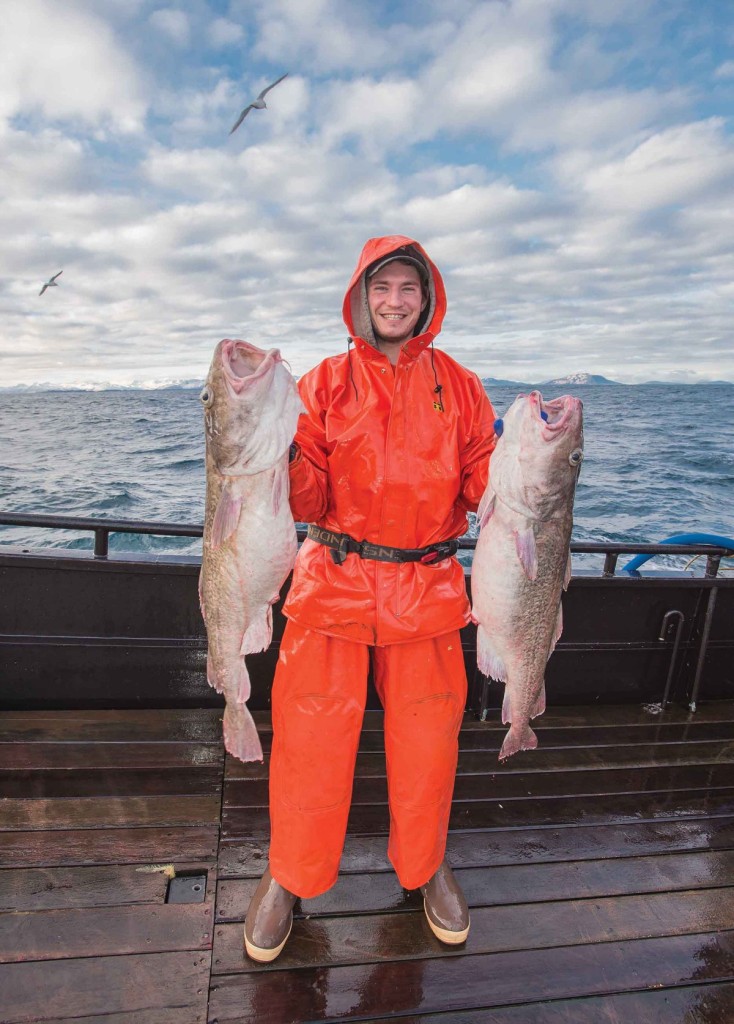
pixel 683 538
pixel 499 426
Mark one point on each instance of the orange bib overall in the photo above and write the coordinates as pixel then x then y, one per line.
pixel 395 455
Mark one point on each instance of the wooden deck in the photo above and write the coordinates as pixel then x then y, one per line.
pixel 599 870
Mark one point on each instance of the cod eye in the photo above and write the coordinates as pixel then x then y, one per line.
pixel 576 457
pixel 206 397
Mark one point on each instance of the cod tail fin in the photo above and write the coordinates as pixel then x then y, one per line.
pixel 519 737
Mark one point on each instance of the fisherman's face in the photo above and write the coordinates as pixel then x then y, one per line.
pixel 395 300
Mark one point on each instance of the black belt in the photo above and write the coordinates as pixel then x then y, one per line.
pixel 342 544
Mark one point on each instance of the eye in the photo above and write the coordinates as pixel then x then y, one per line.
pixel 576 457
pixel 206 397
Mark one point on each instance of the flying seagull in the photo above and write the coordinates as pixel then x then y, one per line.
pixel 258 104
pixel 51 283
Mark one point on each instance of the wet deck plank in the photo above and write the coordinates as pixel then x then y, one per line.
pixel 684 1005
pixel 370 819
pixel 464 982
pixel 515 846
pixel 98 811
pixel 379 938
pixel 538 762
pixel 495 886
pixel 598 869
pixel 150 845
pixel 107 986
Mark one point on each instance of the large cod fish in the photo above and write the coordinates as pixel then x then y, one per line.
pixel 251 406
pixel 522 561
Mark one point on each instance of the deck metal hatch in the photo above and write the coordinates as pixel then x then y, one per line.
pixel 187 889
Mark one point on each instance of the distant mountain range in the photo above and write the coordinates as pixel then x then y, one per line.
pixel 574 379
pixel 150 385
pixel 570 380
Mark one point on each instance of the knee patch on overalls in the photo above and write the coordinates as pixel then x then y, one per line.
pixel 426 730
pixel 318 736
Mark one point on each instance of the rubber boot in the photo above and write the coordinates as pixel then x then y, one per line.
pixel 269 920
pixel 445 907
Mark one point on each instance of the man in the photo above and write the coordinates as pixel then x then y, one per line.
pixel 392 451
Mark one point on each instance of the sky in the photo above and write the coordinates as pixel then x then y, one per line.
pixel 568 164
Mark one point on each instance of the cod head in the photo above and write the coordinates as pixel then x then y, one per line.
pixel 251 408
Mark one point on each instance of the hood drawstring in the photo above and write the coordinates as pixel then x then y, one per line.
pixel 351 372
pixel 438 403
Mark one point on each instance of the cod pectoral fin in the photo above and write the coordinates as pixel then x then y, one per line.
pixel 486 508
pixel 488 660
pixel 259 633
pixel 279 479
pixel 226 517
pixel 567 574
pixel 527 551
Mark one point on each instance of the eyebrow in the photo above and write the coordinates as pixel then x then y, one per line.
pixel 381 280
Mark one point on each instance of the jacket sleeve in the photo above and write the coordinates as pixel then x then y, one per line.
pixel 309 483
pixel 480 440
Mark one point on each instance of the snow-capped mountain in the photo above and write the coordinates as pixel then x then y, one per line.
pixel 579 378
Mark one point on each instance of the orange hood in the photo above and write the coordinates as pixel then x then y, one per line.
pixel 356 310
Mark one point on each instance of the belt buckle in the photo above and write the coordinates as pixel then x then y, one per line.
pixel 339 553
pixel 440 551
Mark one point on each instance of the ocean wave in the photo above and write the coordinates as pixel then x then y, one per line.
pixel 140 456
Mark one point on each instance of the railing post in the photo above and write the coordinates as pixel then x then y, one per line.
pixel 610 563
pixel 703 647
pixel 712 566
pixel 101 546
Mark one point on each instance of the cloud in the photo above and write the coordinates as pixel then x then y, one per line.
pixel 84 74
pixel 667 168
pixel 222 32
pixel 173 23
pixel 579 210
pixel 331 36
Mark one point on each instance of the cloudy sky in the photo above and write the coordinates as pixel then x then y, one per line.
pixel 569 164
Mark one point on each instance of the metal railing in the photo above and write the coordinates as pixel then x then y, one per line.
pixel 102 528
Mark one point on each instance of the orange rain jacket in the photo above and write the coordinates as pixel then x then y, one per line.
pixel 380 461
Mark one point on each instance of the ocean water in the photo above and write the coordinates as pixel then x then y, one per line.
pixel 659 460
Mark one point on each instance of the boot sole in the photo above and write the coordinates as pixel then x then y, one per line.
pixel 443 934
pixel 263 955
